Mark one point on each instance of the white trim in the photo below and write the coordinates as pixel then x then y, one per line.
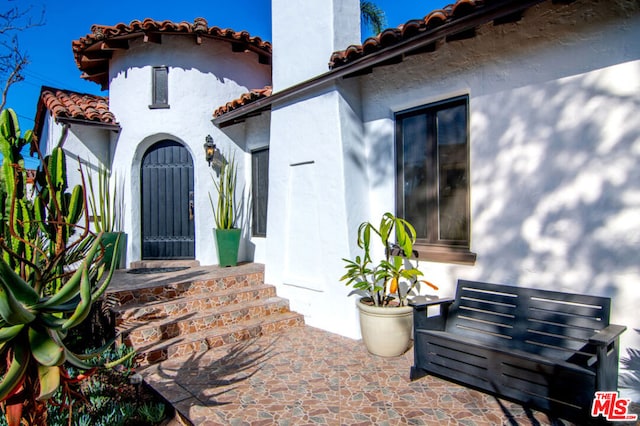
pixel 424 101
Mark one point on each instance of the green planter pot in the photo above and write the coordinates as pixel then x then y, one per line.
pixel 109 241
pixel 228 243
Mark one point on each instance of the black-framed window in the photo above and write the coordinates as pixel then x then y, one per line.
pixel 432 183
pixel 259 191
pixel 159 87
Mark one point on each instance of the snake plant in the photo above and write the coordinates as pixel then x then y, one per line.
pixel 52 270
pixel 226 210
pixel 105 202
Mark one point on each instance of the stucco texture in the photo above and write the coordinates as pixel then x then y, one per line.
pixel 554 146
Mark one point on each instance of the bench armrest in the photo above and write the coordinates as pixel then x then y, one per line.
pixel 607 335
pixel 421 318
pixel 424 301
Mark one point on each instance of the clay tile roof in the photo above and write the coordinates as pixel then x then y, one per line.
pixel 245 99
pixel 79 106
pixel 406 31
pixel 93 51
pixel 73 106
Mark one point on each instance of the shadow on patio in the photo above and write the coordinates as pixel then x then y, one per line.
pixel 309 376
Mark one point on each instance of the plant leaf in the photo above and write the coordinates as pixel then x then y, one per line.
pixel 71 287
pixel 11 310
pixel 49 378
pixel 15 373
pixel 75 360
pixel 44 349
pixel 112 268
pixel 9 332
pixel 20 289
pixel 84 307
pixel 121 359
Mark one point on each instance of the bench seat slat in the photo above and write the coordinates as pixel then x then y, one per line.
pixel 475 346
pixel 481 330
pixel 558 349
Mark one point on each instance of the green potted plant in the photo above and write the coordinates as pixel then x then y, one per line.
pixel 225 213
pixel 106 207
pixel 385 318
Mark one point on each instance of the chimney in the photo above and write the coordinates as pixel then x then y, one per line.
pixel 306 33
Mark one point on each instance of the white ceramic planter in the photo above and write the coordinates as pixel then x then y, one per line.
pixel 386 331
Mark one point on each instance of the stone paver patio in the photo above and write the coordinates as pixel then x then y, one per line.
pixel 306 376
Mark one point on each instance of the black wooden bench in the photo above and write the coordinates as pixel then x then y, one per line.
pixel 547 350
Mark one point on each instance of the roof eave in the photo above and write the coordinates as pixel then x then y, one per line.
pixel 115 127
pixel 487 13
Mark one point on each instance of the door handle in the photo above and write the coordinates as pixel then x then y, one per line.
pixel 191 205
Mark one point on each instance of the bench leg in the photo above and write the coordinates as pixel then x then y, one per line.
pixel 417 373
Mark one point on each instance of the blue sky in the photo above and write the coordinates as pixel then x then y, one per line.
pixel 49 46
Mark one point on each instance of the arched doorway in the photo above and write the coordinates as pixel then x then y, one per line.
pixel 166 180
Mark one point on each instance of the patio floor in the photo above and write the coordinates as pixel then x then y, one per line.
pixel 306 376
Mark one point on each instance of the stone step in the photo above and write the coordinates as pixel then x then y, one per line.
pixel 183 305
pixel 194 343
pixel 166 289
pixel 139 333
pixel 165 314
pixel 159 264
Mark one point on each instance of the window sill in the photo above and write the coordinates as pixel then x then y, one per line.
pixel 445 254
pixel 159 106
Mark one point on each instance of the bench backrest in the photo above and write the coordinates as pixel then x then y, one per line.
pixel 549 323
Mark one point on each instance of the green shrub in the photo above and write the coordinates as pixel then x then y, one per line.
pixel 152 413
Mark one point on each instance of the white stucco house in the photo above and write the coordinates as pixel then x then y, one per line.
pixel 506 131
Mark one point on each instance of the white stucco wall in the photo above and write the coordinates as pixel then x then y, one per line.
pixel 304 34
pixel 555 149
pixel 553 162
pixel 201 78
pixel 257 137
pixel 87 143
pixel 310 176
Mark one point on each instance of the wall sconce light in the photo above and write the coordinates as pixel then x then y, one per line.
pixel 209 149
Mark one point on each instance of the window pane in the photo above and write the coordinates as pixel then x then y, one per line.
pixel 452 173
pixel 160 86
pixel 414 150
pixel 260 191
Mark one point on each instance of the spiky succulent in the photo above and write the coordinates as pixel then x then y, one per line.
pixel 52 270
pixel 226 212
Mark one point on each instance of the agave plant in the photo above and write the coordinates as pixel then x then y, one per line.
pixel 394 278
pixel 52 270
pixel 226 210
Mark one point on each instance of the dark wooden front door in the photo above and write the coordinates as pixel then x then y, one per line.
pixel 167 202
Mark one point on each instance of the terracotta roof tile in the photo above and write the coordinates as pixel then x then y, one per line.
pixel 93 51
pixel 79 106
pixel 66 104
pixel 412 28
pixel 245 99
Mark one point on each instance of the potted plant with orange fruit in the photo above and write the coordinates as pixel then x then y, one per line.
pixel 385 317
